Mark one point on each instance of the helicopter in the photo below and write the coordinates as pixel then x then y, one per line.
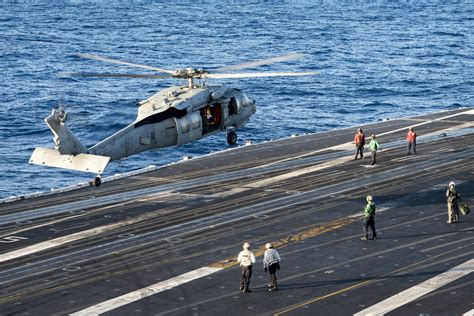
pixel 171 117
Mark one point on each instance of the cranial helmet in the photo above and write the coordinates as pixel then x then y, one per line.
pixel 246 245
pixel 268 246
pixel 369 198
pixel 451 184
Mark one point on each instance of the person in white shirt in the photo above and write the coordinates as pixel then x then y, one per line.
pixel 271 263
pixel 246 259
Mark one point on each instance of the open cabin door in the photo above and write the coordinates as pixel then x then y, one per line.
pixel 211 118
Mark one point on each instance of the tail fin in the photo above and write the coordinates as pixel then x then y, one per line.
pixel 66 142
pixel 69 153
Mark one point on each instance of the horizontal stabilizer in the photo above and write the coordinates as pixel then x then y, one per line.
pixel 80 162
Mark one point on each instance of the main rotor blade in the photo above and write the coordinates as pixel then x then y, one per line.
pixel 261 62
pixel 120 62
pixel 66 75
pixel 259 74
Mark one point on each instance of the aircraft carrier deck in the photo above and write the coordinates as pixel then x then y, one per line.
pixel 164 242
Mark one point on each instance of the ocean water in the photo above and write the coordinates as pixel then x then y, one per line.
pixel 375 60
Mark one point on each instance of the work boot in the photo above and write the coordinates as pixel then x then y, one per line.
pixel 364 238
pixel 374 237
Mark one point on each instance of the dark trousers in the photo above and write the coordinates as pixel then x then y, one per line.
pixel 369 221
pixel 374 154
pixel 272 269
pixel 360 149
pixel 245 275
pixel 409 145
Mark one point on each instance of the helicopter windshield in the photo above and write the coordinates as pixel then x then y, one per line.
pixel 244 99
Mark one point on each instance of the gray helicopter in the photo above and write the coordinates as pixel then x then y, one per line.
pixel 171 117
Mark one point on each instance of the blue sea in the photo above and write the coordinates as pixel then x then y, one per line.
pixel 375 60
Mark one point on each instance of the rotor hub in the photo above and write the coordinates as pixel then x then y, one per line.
pixel 187 73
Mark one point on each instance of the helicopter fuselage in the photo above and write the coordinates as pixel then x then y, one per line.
pixel 176 116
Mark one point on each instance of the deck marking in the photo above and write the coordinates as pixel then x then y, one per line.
pixel 69 238
pixel 302 235
pixel 350 145
pixel 470 313
pixel 320 298
pixel 212 268
pixel 419 290
pixel 455 242
pixel 320 166
pixel 145 292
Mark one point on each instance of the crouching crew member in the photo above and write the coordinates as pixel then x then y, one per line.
pixel 369 219
pixel 246 259
pixel 453 198
pixel 271 263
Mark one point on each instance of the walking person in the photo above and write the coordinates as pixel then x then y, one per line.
pixel 359 141
pixel 271 263
pixel 369 219
pixel 411 141
pixel 374 147
pixel 453 198
pixel 246 259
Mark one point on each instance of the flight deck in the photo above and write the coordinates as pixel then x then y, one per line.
pixel 165 241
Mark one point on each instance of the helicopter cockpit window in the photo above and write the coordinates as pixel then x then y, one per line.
pixel 233 106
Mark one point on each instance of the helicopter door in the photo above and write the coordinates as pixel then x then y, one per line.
pixel 189 128
pixel 211 118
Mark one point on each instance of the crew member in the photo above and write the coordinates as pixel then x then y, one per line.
pixel 359 141
pixel 369 219
pixel 411 141
pixel 271 263
pixel 374 147
pixel 246 259
pixel 453 198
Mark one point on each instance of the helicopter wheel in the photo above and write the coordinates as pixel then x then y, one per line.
pixel 97 181
pixel 231 138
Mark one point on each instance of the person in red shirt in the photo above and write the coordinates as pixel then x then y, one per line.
pixel 411 141
pixel 359 141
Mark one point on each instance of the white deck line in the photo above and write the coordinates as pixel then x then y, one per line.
pixel 470 313
pixel 145 292
pixel 56 242
pixel 419 290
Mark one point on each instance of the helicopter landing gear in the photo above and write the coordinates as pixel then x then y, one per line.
pixel 97 181
pixel 231 137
